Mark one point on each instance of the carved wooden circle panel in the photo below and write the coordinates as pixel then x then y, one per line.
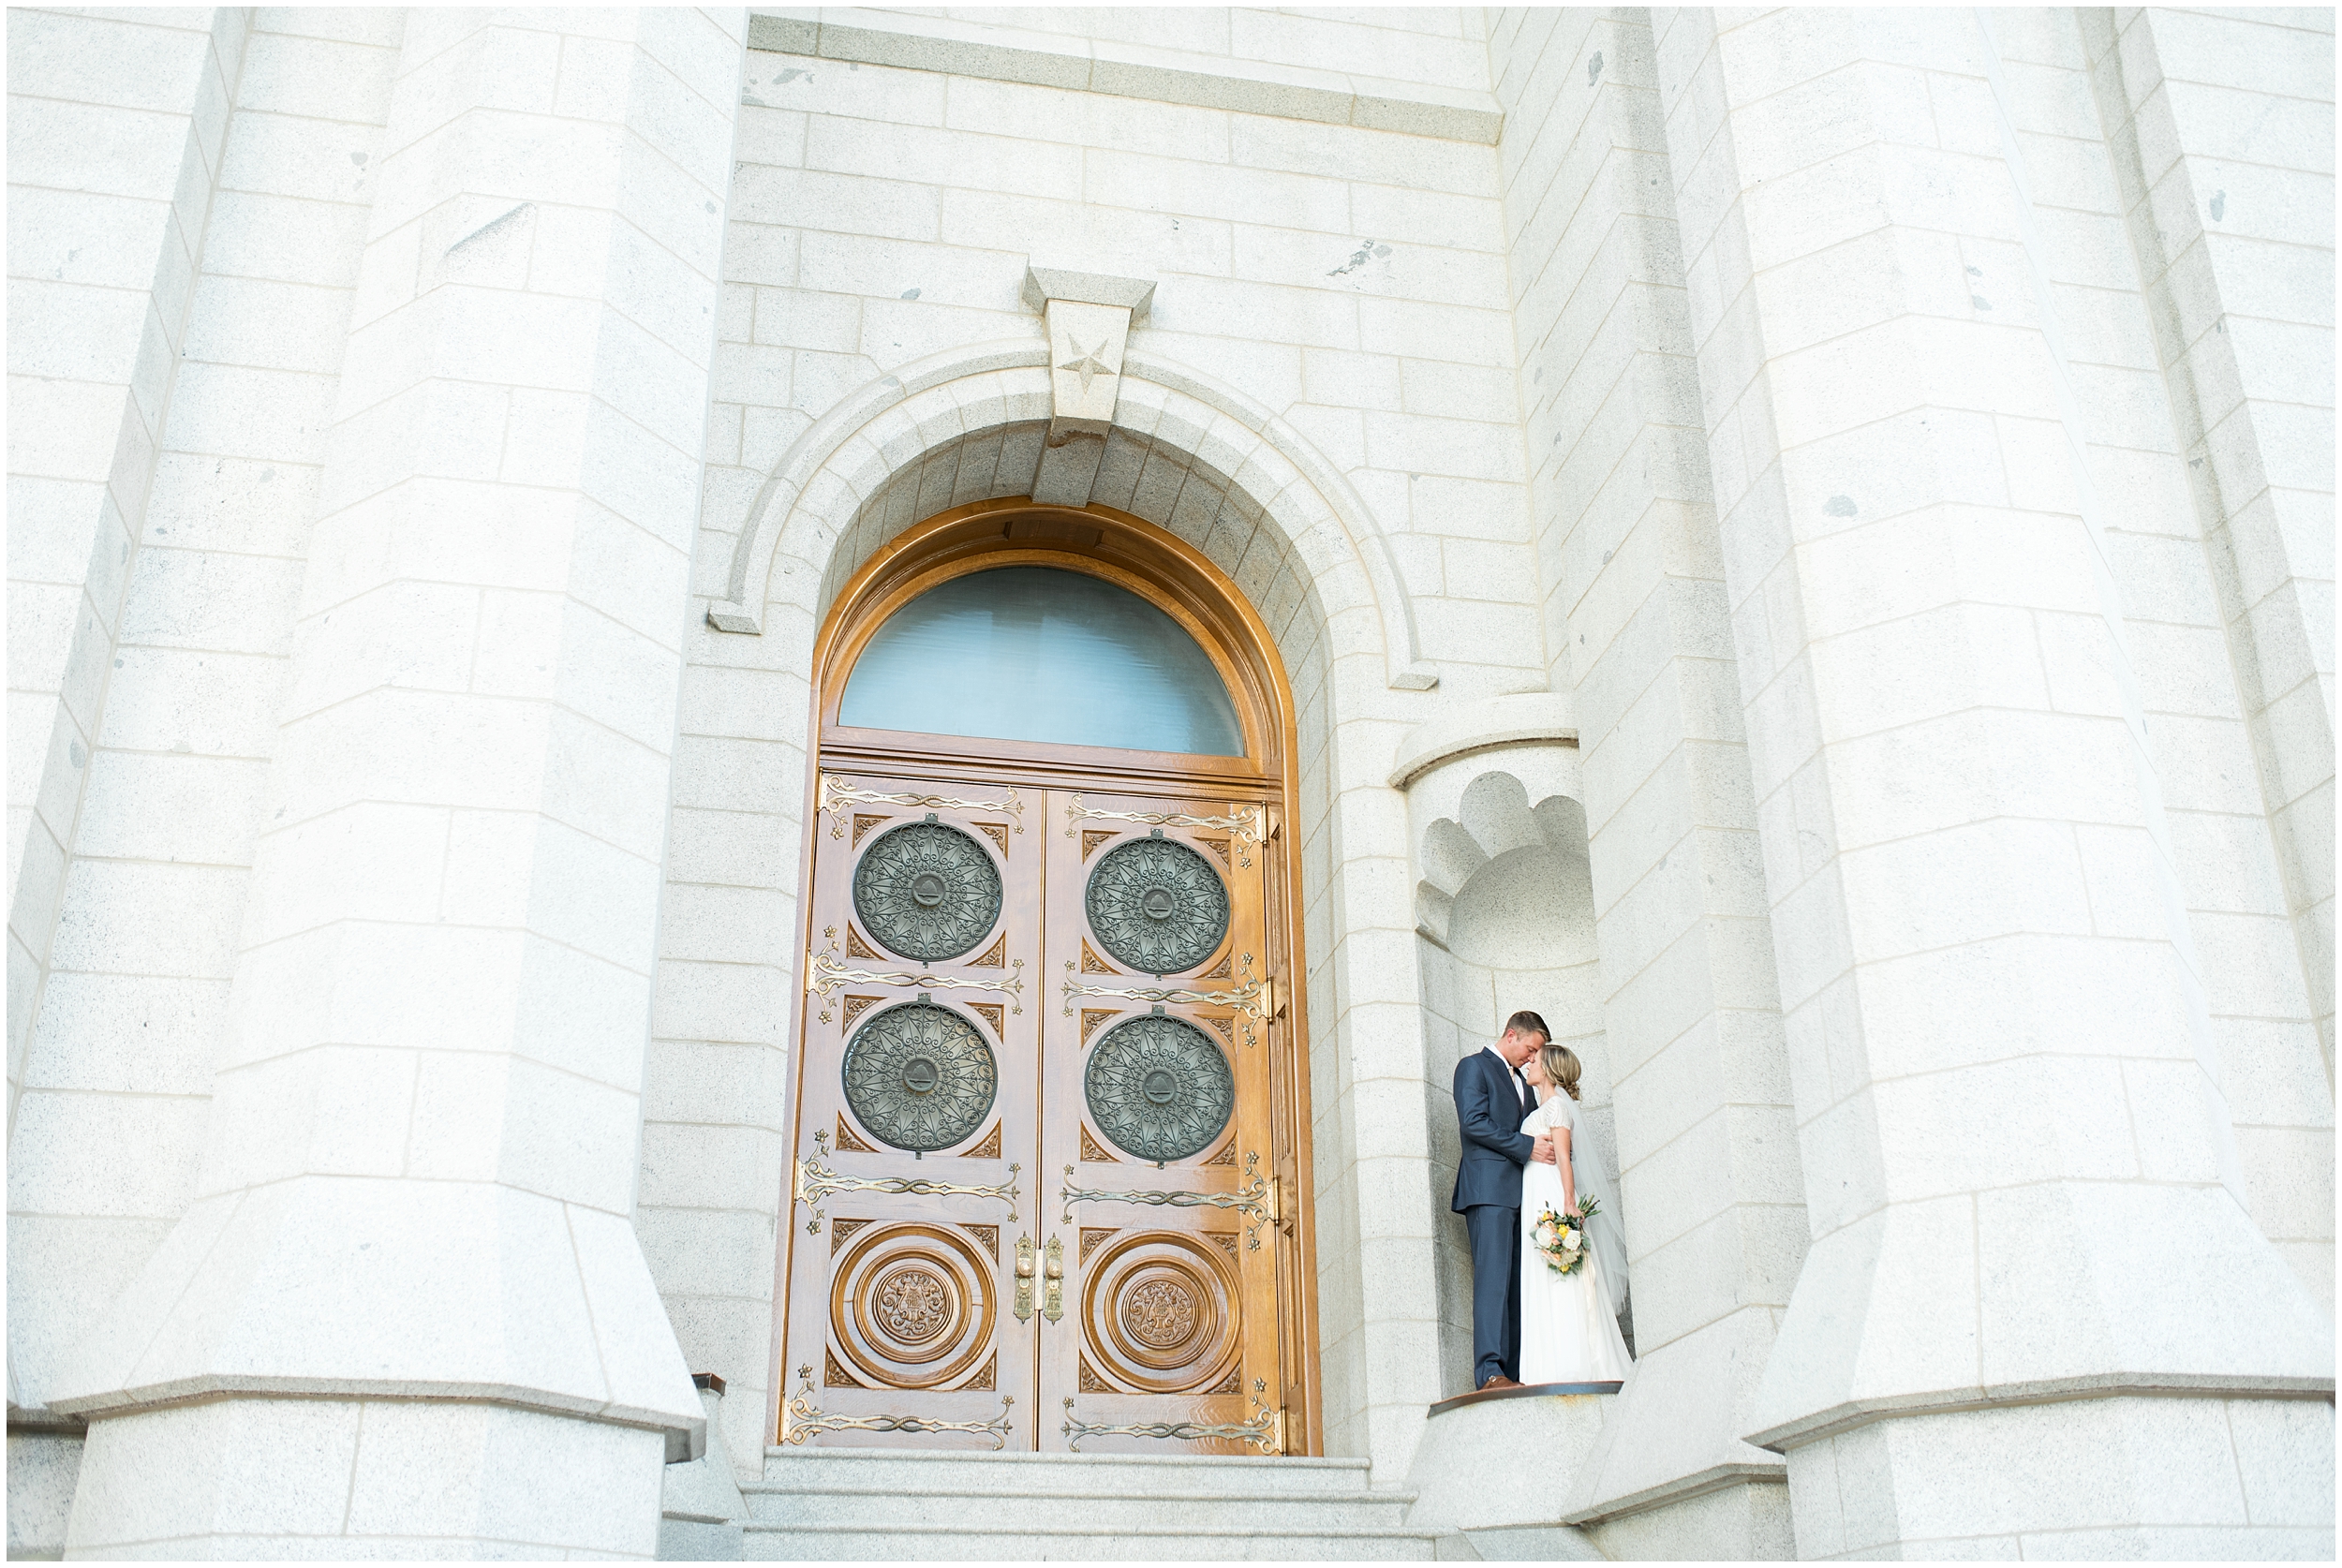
pixel 910 1305
pixel 1157 905
pixel 920 1077
pixel 1159 1087
pixel 927 892
pixel 1160 1311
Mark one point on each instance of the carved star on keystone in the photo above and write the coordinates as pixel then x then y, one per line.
pixel 1086 362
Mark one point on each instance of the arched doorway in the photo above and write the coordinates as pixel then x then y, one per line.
pixel 1051 1161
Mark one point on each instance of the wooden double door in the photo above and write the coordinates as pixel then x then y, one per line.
pixel 1043 1166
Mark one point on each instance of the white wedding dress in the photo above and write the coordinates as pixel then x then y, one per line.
pixel 1568 1322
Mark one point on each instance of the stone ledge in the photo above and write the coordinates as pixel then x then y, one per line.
pixel 42 1422
pixel 1465 1477
pixel 1026 1542
pixel 1681 1489
pixel 1126 70
pixel 1044 283
pixel 424 1292
pixel 1852 1414
pixel 1523 1391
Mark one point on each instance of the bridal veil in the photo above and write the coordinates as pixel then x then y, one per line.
pixel 1593 1181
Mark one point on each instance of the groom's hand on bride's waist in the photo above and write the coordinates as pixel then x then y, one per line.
pixel 1542 1151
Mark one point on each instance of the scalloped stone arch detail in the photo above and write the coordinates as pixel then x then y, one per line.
pixel 1493 820
pixel 1185 453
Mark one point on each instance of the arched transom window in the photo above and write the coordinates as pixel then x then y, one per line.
pixel 1030 653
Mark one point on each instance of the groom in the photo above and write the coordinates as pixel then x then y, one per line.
pixel 1491 1098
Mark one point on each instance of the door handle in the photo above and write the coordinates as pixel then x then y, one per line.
pixel 1053 1282
pixel 1024 1279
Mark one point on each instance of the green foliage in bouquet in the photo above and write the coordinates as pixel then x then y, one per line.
pixel 1562 1237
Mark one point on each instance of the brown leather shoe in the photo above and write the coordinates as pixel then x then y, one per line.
pixel 1499 1381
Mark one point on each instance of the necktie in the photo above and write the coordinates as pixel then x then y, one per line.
pixel 1520 1086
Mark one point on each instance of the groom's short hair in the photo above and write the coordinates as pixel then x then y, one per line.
pixel 1526 1022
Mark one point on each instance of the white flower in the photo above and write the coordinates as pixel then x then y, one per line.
pixel 1570 1240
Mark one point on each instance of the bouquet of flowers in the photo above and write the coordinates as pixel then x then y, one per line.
pixel 1562 1237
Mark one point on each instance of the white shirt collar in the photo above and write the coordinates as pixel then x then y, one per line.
pixel 1520 1084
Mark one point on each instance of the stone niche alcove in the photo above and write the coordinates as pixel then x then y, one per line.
pixel 1503 921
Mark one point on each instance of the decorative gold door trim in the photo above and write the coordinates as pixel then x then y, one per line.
pixel 1255 1000
pixel 1265 1431
pixel 1246 824
pixel 806 1420
pixel 838 792
pixel 1256 1199
pixel 824 974
pixel 817 1183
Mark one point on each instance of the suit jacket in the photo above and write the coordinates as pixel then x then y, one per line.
pixel 1495 1150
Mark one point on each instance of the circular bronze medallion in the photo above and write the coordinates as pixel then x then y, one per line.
pixel 1157 905
pixel 1159 1087
pixel 920 1077
pixel 1162 1311
pixel 911 1304
pixel 927 890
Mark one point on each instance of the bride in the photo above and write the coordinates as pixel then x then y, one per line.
pixel 1568 1322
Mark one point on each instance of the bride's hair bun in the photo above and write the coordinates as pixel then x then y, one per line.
pixel 1562 1066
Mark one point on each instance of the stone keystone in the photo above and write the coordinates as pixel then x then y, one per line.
pixel 1088 316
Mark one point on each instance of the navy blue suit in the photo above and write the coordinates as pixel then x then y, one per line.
pixel 1487 1194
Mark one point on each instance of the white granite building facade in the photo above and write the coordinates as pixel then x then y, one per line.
pixel 1801 545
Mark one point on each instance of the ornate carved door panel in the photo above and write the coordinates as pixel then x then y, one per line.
pixel 1156 1127
pixel 917 1117
pixel 1037 1173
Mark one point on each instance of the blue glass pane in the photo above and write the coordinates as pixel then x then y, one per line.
pixel 1036 654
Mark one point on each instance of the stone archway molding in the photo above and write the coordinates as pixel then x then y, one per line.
pixel 842 459
pixel 1491 724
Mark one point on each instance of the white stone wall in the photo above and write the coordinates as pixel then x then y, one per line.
pixel 118 125
pixel 2222 125
pixel 885 215
pixel 123 1047
pixel 2238 424
pixel 1630 577
pixel 89 337
pixel 420 1150
pixel 1895 446
pixel 1415 69
pixel 1967 777
pixel 1407 46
